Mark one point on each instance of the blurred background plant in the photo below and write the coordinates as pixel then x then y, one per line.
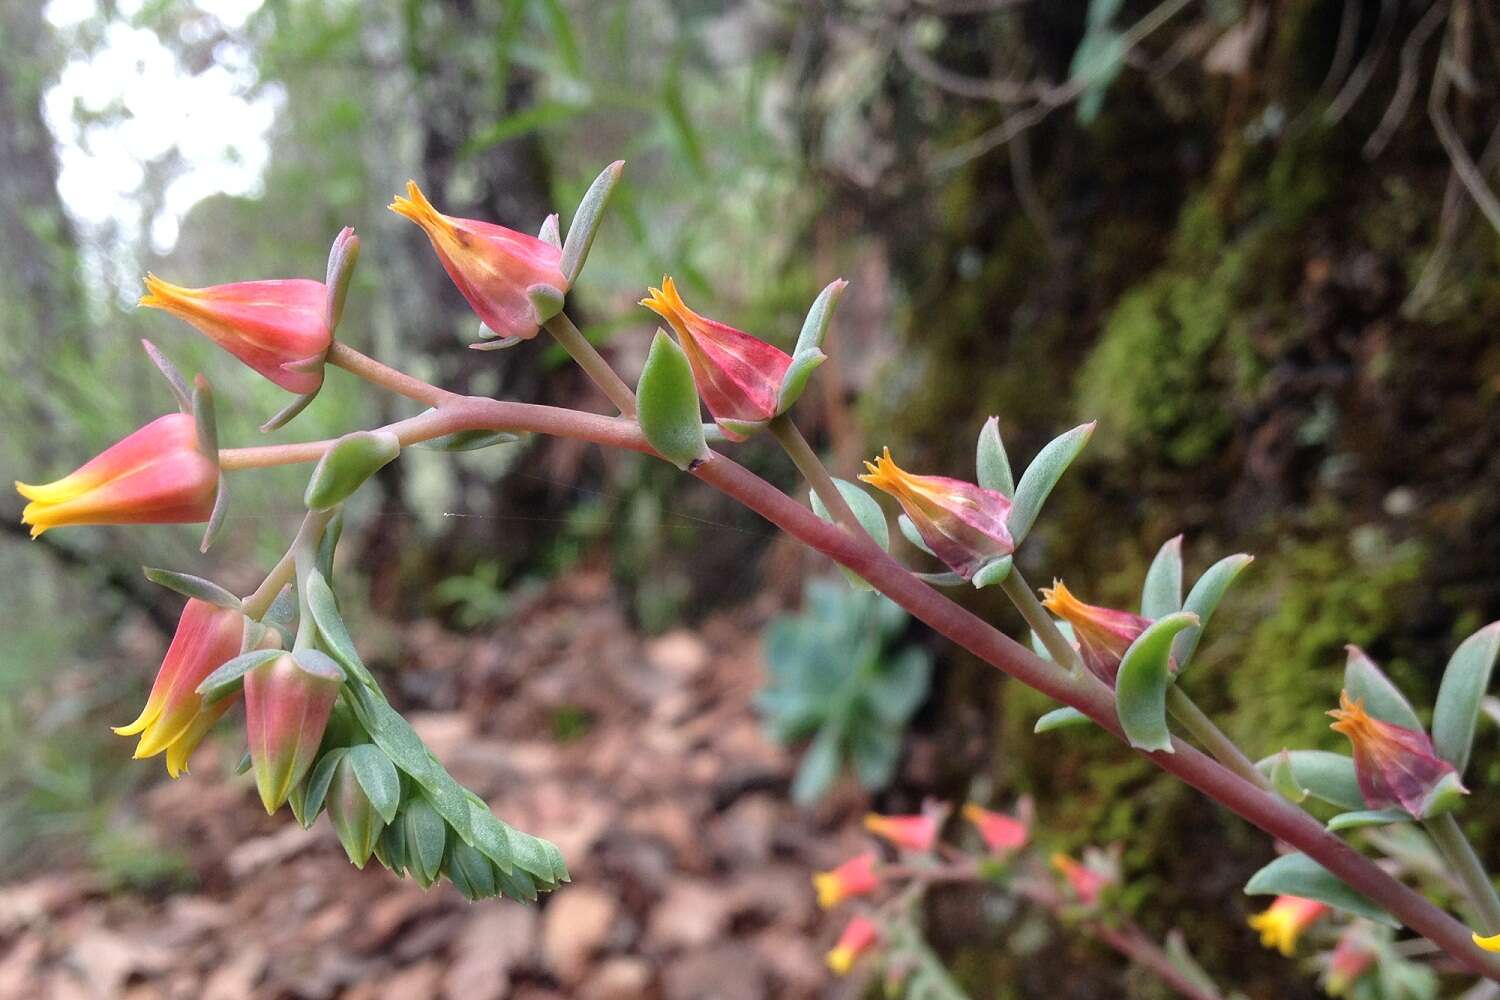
pixel 1256 240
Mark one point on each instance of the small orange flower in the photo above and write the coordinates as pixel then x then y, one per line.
pixel 1087 883
pixel 963 524
pixel 492 266
pixel 1103 634
pixel 279 328
pixel 855 877
pixel 914 832
pixel 1283 922
pixel 157 475
pixel 1002 834
pixel 738 376
pixel 860 935
pixel 1395 766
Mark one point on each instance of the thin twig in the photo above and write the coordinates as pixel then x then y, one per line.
pixel 1406 84
pixel 1364 72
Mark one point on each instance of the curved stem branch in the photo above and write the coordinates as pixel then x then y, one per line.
pixel 1214 739
pixel 1024 598
pixel 384 375
pixel 802 455
pixel 592 362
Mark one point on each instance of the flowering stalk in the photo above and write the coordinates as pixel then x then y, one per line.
pixel 807 462
pixel 592 362
pixel 1245 798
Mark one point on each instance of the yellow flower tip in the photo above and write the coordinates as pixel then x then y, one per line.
pixel 841 960
pixel 884 473
pixel 1351 718
pixel 667 303
pixel 1491 943
pixel 1277 930
pixel 418 209
pixel 1059 600
pixel 829 889
pixel 165 295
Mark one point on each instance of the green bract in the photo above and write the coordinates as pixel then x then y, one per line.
pixel 667 405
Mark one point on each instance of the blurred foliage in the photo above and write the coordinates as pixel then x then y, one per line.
pixel 837 675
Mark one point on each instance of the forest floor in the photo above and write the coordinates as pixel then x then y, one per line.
pixel 642 758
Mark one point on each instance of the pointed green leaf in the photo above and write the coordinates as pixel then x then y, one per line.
pixel 377 776
pixel 175 381
pixel 346 465
pixel 1328 776
pixel 815 325
pixel 227 679
pixel 284 416
pixel 405 748
pixel 1203 600
pixel 315 791
pixel 342 256
pixel 1367 817
pixel 205 421
pixel 1060 718
pixel 804 363
pixel 1465 680
pixel 993 572
pixel 911 534
pixel 193 586
pixel 866 510
pixel 1141 685
pixel 490 835
pixel 1040 648
pixel 216 515
pixel 585 224
pixel 990 460
pixel 470 871
pixel 667 405
pixel 1300 875
pixel 1162 593
pixel 1366 682
pixel 325 612
pixel 466 440
pixel 1284 779
pixel 551 232
pixel 1041 476
pixel 426 839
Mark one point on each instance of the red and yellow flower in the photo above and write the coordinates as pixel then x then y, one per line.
pixel 1002 834
pixel 157 475
pixel 1087 883
pixel 278 327
pixel 493 267
pixel 1283 922
pixel 1352 957
pixel 859 936
pixel 287 705
pixel 175 720
pixel 855 877
pixel 1395 766
pixel 963 524
pixel 738 376
pixel 912 832
pixel 1102 634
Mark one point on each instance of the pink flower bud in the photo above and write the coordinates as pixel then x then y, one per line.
pixel 157 475
pixel 175 719
pixel 1395 766
pixel 492 266
pixel 1352 957
pixel 1103 634
pixel 1282 923
pixel 859 936
pixel 1087 883
pixel 855 877
pixel 276 327
pixel 738 376
pixel 963 524
pixel 1002 834
pixel 286 710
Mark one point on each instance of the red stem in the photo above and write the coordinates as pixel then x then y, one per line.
pixel 1265 810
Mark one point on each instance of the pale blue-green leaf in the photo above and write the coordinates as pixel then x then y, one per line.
pixel 1328 776
pixel 1203 600
pixel 1284 779
pixel 1041 476
pixel 1300 875
pixel 284 416
pixel 668 405
pixel 866 510
pixel 551 232
pixel 911 534
pixel 325 612
pixel 1364 681
pixel 193 586
pixel 804 363
pixel 175 381
pixel 1141 685
pixel 227 678
pixel 377 776
pixel 1465 680
pixel 993 572
pixel 991 462
pixel 318 781
pixel 1367 817
pixel 815 324
pixel 585 224
pixel 1060 718
pixel 1162 593
pixel 346 465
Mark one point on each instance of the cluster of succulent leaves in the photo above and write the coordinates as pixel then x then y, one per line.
pixel 838 675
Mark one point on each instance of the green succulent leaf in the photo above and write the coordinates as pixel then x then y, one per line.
pixel 819 315
pixel 1162 593
pixel 1061 718
pixel 325 612
pixel 1141 685
pixel 1366 682
pixel 911 534
pixel 175 381
pixel 869 513
pixel 377 776
pixel 346 466
pixel 1041 476
pixel 1203 600
pixel 1300 875
pixel 193 586
pixel 1367 817
pixel 586 220
pixel 426 838
pixel 667 402
pixel 1459 700
pixel 226 680
pixel 1327 776
pixel 315 790
pixel 1284 779
pixel 794 383
pixel 991 462
pixel 405 748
